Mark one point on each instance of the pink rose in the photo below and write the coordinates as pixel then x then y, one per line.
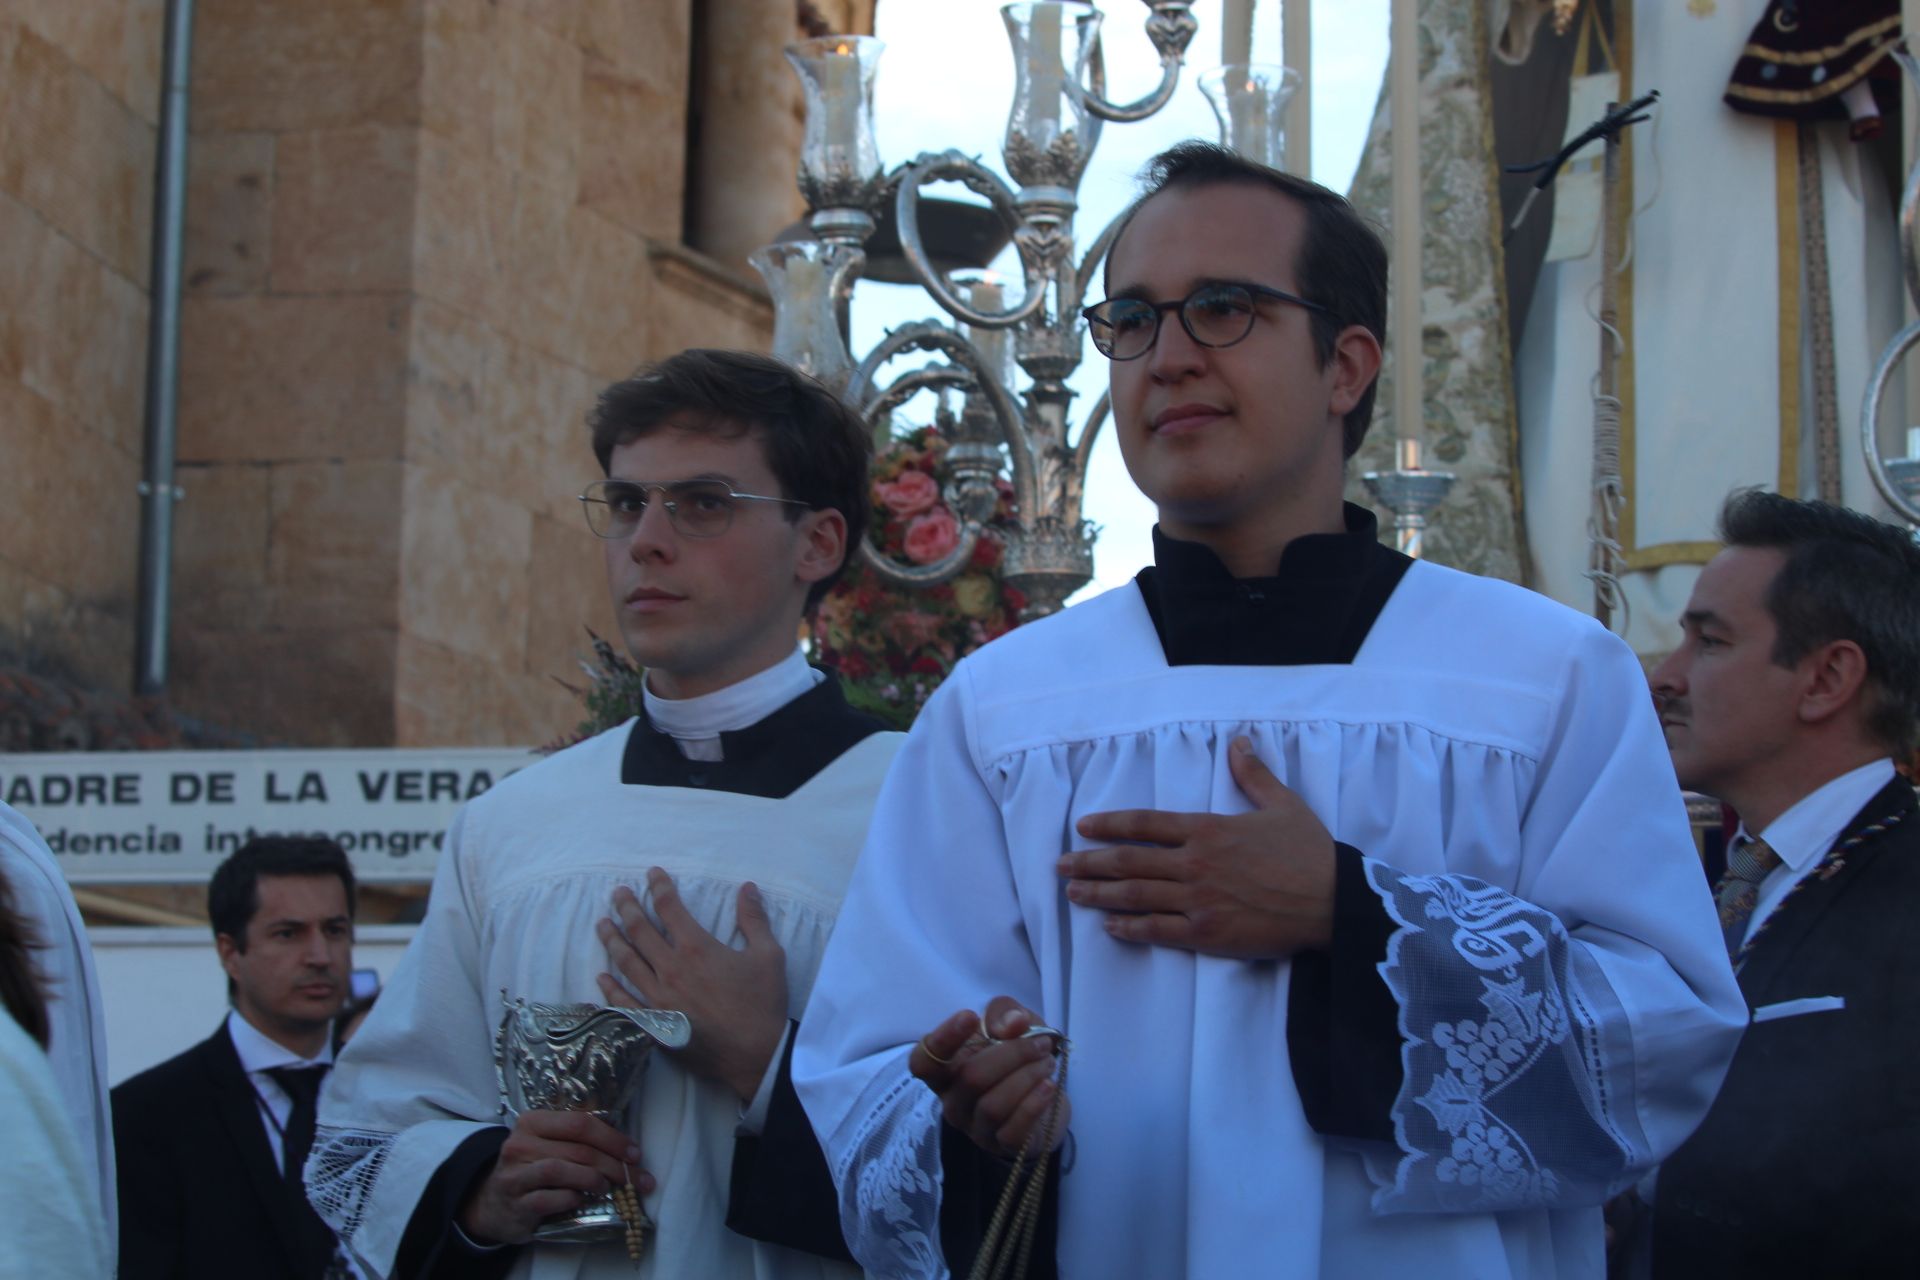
pixel 931 536
pixel 912 493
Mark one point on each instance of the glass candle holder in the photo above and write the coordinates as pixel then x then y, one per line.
pixel 1050 131
pixel 839 161
pixel 809 280
pixel 1250 99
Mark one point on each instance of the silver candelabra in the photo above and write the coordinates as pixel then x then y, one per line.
pixel 1059 106
pixel 1898 479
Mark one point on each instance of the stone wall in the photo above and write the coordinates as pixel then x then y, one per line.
pixel 79 85
pixel 421 235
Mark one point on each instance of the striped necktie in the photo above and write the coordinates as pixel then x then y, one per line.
pixel 1739 889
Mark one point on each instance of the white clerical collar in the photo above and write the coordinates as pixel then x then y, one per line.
pixel 701 720
pixel 260 1052
pixel 1803 834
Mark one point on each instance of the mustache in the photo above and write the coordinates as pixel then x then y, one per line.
pixel 1670 705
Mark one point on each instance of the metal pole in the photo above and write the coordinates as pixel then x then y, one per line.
pixel 157 490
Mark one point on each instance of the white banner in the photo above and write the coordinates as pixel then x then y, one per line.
pixel 157 817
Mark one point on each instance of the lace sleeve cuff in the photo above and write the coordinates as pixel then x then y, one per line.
pixel 1518 1088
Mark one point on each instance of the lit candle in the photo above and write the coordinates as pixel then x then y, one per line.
pixel 1236 33
pixel 840 95
pixel 1409 455
pixel 1248 110
pixel 1045 73
pixel 1409 367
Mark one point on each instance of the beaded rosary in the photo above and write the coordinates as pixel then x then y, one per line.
pixel 1004 1256
pixel 626 1202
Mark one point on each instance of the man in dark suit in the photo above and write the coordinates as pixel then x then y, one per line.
pixel 1797 681
pixel 211 1143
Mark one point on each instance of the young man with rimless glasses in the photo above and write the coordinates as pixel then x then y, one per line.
pixel 1361 888
pixel 733 805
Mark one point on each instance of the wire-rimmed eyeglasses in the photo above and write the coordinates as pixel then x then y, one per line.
pixel 1217 314
pixel 695 508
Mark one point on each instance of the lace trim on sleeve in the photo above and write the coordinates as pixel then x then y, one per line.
pixel 340 1174
pixel 1518 1065
pixel 887 1168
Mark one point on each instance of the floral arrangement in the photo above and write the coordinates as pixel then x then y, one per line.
pixel 894 645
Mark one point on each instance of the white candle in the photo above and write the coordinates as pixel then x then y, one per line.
pixel 1236 33
pixel 840 94
pixel 1913 443
pixel 1045 73
pixel 1409 392
pixel 1297 37
pixel 1409 455
pixel 986 296
pixel 1248 112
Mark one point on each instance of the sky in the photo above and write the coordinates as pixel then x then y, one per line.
pixel 946 81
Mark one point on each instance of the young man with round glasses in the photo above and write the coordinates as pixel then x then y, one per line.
pixel 1361 888
pixel 735 803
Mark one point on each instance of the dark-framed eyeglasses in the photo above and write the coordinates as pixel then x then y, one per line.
pixel 695 508
pixel 1214 315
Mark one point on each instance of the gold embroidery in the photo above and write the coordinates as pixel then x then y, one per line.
pixel 1826 89
pixel 1812 57
pixel 1700 8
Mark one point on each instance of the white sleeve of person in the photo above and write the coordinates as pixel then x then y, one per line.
pixel 948 932
pixel 1556 1045
pixel 407 1090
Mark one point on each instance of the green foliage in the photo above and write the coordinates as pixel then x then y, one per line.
pixel 611 696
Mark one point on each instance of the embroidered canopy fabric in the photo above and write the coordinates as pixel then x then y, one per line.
pixel 1565 1009
pixel 527 870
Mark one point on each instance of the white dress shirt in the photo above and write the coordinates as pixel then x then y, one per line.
pixel 258 1055
pixel 1807 830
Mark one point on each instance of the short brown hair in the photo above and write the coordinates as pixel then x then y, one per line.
pixel 1847 576
pixel 818 448
pixel 1342 263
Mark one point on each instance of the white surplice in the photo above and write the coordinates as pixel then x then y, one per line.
pixel 527 870
pixel 76 1015
pixel 1566 1008
pixel 51 1227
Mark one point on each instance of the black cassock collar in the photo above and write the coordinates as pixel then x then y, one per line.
pixel 1317 609
pixel 773 757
